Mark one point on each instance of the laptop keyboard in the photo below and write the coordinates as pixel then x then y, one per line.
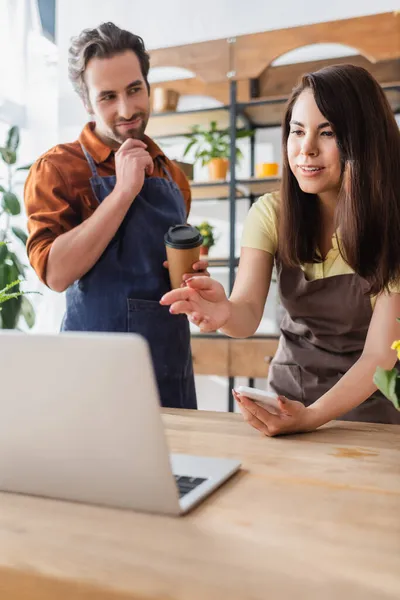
pixel 187 484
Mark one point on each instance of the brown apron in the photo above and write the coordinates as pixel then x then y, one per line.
pixel 323 332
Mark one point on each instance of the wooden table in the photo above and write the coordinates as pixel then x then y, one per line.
pixel 309 516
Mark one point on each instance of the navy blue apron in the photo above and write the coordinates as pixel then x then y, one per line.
pixel 121 292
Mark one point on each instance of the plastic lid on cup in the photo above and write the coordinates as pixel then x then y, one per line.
pixel 183 237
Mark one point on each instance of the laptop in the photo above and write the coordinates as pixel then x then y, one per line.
pixel 80 420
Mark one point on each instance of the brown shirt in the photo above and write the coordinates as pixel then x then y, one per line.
pixel 58 195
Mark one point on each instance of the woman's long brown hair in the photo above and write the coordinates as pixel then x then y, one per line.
pixel 368 208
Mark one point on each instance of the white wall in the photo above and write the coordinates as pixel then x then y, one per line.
pixel 185 21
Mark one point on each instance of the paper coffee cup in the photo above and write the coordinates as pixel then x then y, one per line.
pixel 182 243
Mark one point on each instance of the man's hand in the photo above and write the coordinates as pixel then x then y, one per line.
pixel 199 268
pixel 132 162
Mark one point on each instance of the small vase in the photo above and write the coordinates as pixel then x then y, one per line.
pixel 218 169
pixel 164 100
pixel 204 251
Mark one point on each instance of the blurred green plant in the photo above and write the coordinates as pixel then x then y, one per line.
pixel 212 143
pixel 12 270
pixel 388 382
pixel 207 232
pixel 6 294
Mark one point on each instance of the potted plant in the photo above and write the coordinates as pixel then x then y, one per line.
pixel 212 148
pixel 207 232
pixel 12 270
pixel 388 382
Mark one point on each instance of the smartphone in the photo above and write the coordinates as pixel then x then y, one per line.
pixel 264 399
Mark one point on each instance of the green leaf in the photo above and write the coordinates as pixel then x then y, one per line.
pixel 24 167
pixel 13 139
pixel 16 267
pixel 243 133
pixel 212 143
pixel 10 313
pixel 3 253
pixel 397 390
pixel 4 297
pixel 189 147
pixel 13 272
pixel 28 312
pixel 11 203
pixel 239 155
pixel 3 275
pixel 203 153
pixel 9 156
pixel 20 234
pixel 9 286
pixel 12 305
pixel 2 190
pixel 386 382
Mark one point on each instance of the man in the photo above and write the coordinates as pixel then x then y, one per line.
pixel 98 210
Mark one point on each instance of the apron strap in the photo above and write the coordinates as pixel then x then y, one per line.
pixel 166 171
pixel 90 160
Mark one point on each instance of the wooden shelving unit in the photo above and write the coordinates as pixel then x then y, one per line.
pixel 222 262
pixel 268 112
pixel 174 124
pixel 245 188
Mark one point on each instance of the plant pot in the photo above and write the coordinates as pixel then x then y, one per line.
pixel 204 250
pixel 218 168
pixel 164 100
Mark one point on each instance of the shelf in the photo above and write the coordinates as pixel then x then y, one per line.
pixel 257 186
pixel 393 95
pixel 263 112
pixel 177 123
pixel 258 113
pixel 218 190
pixel 219 262
pixel 269 112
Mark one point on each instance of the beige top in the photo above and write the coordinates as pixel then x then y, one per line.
pixel 261 232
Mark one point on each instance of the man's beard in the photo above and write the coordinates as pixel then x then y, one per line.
pixel 136 133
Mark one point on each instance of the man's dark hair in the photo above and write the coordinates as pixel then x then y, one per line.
pixel 105 41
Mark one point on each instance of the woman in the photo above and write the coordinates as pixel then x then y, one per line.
pixel 334 234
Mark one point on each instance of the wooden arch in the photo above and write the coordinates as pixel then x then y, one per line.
pixel 377 37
